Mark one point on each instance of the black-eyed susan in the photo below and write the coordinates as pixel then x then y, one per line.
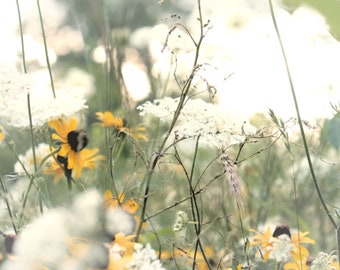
pixel 108 120
pixel 72 155
pixel 280 245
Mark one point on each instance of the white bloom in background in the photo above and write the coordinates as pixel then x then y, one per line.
pixel 14 90
pixel 215 125
pixel 27 160
pixel 85 212
pixel 324 261
pixel 281 248
pixel 117 220
pixel 58 237
pixel 145 259
pixel 43 241
pixel 77 80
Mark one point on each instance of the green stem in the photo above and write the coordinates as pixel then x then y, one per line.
pixel 31 131
pixel 45 47
pixel 316 185
pixel 8 206
pixel 310 164
pixel 21 38
pixel 179 108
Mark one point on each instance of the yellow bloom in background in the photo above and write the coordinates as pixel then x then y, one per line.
pixel 262 239
pixel 129 206
pixel 126 243
pixel 188 256
pixel 2 135
pixel 281 245
pixel 121 252
pixel 300 252
pixel 303 264
pixel 56 169
pixel 107 119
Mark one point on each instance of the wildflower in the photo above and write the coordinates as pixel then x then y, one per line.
pixel 108 120
pixel 69 244
pixel 144 258
pixel 27 160
pixel 181 220
pixel 280 245
pixel 55 168
pixel 120 251
pixel 325 261
pixel 130 205
pixel 299 264
pixel 14 88
pixel 72 153
pixel 191 257
pixel 211 122
pixel 119 214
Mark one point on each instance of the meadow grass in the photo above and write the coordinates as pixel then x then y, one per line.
pixel 167 182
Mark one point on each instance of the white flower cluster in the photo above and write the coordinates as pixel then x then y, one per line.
pixel 145 258
pixel 323 262
pixel 14 90
pixel 65 238
pixel 215 126
pixel 281 248
pixel 181 220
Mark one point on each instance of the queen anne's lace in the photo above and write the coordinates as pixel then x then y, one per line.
pixel 211 122
pixel 14 90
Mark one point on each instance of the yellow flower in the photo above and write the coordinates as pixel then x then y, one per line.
pixel 56 169
pixel 300 252
pixel 262 239
pixel 126 246
pixel 107 119
pixel 303 264
pixel 84 159
pixel 188 256
pixel 129 206
pixel 72 154
pixel 268 239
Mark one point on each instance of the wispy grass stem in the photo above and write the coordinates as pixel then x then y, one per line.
pixel 310 164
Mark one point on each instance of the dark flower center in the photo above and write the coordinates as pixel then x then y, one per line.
pixel 77 140
pixel 282 229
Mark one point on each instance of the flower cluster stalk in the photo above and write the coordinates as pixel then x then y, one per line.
pixel 183 96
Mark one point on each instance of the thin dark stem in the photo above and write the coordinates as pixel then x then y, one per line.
pixel 31 131
pixel 45 47
pixel 177 113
